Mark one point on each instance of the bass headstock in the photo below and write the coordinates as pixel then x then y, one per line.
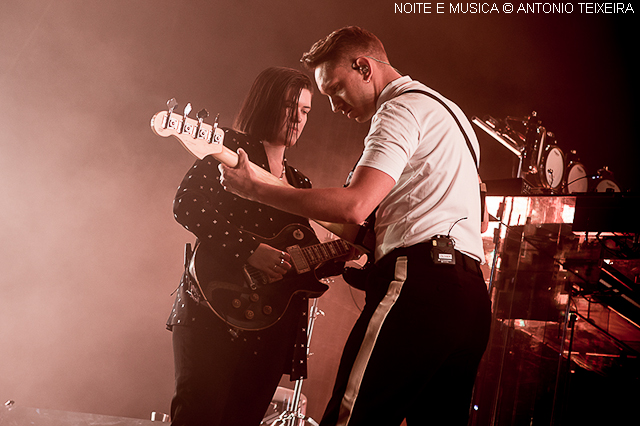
pixel 199 138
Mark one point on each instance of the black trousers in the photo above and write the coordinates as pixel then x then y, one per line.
pixel 415 349
pixel 222 379
pixel 219 381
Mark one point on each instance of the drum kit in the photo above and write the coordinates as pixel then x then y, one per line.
pixel 543 165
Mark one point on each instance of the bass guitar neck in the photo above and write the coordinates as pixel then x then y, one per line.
pixel 202 139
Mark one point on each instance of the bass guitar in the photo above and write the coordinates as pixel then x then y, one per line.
pixel 247 299
pixel 202 139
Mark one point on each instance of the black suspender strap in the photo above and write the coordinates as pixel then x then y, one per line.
pixel 466 138
pixel 483 186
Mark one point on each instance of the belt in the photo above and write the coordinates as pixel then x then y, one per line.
pixel 424 249
pixel 468 263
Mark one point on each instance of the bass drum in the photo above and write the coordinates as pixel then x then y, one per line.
pixel 551 168
pixel 576 179
pixel 603 181
pixel 600 184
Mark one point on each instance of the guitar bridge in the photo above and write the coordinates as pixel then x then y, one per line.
pixel 254 277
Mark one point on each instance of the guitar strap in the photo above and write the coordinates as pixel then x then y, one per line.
pixel 366 236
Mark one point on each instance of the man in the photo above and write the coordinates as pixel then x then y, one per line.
pixel 415 349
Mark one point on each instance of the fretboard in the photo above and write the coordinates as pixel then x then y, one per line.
pixel 303 259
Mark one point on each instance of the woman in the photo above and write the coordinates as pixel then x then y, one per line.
pixel 226 376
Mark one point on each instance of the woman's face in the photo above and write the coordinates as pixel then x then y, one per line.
pixel 302 110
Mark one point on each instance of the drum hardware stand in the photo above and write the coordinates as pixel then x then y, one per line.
pixel 292 415
pixel 492 128
pixel 541 163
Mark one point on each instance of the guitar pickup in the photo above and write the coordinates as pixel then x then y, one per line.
pixel 298 260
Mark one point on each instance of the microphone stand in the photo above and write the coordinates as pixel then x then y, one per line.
pixel 293 413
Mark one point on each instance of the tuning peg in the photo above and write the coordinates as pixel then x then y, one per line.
pixel 187 110
pixel 213 132
pixel 202 114
pixel 171 104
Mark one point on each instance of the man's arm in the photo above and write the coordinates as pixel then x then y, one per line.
pixel 352 204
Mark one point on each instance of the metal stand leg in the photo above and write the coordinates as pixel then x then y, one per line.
pixel 569 325
pixel 293 415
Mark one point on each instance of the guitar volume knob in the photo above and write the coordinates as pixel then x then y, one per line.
pixel 236 303
pixel 254 297
pixel 249 314
pixel 267 310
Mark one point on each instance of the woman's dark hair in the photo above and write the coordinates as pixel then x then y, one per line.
pixel 275 91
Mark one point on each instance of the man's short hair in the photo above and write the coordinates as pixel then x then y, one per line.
pixel 345 43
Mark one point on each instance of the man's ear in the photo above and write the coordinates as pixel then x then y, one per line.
pixel 362 65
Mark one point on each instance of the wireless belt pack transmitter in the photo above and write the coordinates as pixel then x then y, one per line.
pixel 442 251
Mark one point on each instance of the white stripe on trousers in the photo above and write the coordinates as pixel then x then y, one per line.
pixel 369 341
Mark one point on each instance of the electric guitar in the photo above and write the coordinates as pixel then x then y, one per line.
pixel 202 139
pixel 247 299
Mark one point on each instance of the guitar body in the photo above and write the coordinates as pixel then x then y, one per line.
pixel 246 299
